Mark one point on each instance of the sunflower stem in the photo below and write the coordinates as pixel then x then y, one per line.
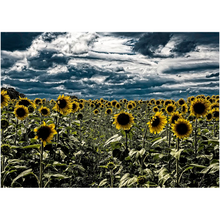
pixel 2 135
pixel 41 165
pixel 126 140
pixel 177 164
pixel 167 128
pixel 112 179
pixel 145 134
pixel 16 127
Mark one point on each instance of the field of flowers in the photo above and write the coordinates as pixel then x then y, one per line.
pixel 120 143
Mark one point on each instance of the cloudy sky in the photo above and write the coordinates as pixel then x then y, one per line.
pixel 132 65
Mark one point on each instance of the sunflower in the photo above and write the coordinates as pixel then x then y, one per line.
pixel 75 106
pixel 123 120
pixel 174 117
pixel 184 108
pixel 215 113
pixel 96 111
pixel 181 102
pixel 30 109
pixel 118 106
pixel 155 109
pixel 44 100
pixel 113 103
pixel 44 111
pixel 214 105
pixel 152 101
pixel 157 123
pixel 81 105
pixel 45 133
pixel 4 123
pixel 199 107
pixel 80 116
pixel 37 101
pixel 4 98
pixel 163 110
pixel 21 112
pixel 209 116
pixel 167 102
pixel 52 101
pixel 133 103
pixel 25 102
pixel 170 108
pixel 125 100
pixel 130 106
pixel 92 105
pixel 108 111
pixel 182 128
pixel 158 102
pixel 63 105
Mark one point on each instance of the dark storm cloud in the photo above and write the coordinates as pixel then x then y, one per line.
pixel 150 42
pixel 184 47
pixel 213 75
pixel 12 41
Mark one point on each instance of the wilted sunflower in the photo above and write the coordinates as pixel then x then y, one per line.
pixel 199 107
pixel 4 123
pixel 63 105
pixel 181 101
pixel 157 123
pixel 123 120
pixel 209 116
pixel 96 111
pixel 26 102
pixel 21 112
pixel 108 111
pixel 80 116
pixel 45 133
pixel 44 111
pixel 75 106
pixel 129 106
pixel 184 108
pixel 4 98
pixel 170 108
pixel 174 117
pixel 155 109
pixel 215 113
pixel 182 128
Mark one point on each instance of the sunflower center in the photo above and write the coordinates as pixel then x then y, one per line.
pixel 20 112
pixel 74 106
pixel 209 116
pixel 24 102
pixel 216 114
pixel 130 106
pixel 174 118
pixel 123 119
pixel 184 108
pixel 62 103
pixel 80 105
pixel 181 102
pixel 44 111
pixel 44 132
pixel 113 103
pixel 182 128
pixel 170 109
pixel 156 121
pixel 108 111
pixel 199 108
pixel 2 98
pixel 37 101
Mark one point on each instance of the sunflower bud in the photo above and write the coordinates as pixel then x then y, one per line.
pixel 4 124
pixel 110 165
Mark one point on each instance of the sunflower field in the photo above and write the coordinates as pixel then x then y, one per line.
pixel 100 143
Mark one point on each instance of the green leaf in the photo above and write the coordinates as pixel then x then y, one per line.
pixel 211 169
pixel 103 182
pixel 188 168
pixel 197 165
pixel 114 138
pixel 158 141
pixel 149 173
pixel 32 146
pixel 176 153
pixel 163 176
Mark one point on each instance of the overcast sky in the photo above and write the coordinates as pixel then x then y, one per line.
pixel 111 65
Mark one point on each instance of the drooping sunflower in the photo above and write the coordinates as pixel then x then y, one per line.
pixel 4 98
pixel 113 103
pixel 37 101
pixel 182 128
pixel 118 106
pixel 123 120
pixel 170 108
pixel 75 106
pixel 96 111
pixel 63 105
pixel 215 113
pixel 199 107
pixel 21 112
pixel 108 111
pixel 157 123
pixel 26 102
pixel 174 117
pixel 45 133
pixel 44 111
pixel 184 108
pixel 81 105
